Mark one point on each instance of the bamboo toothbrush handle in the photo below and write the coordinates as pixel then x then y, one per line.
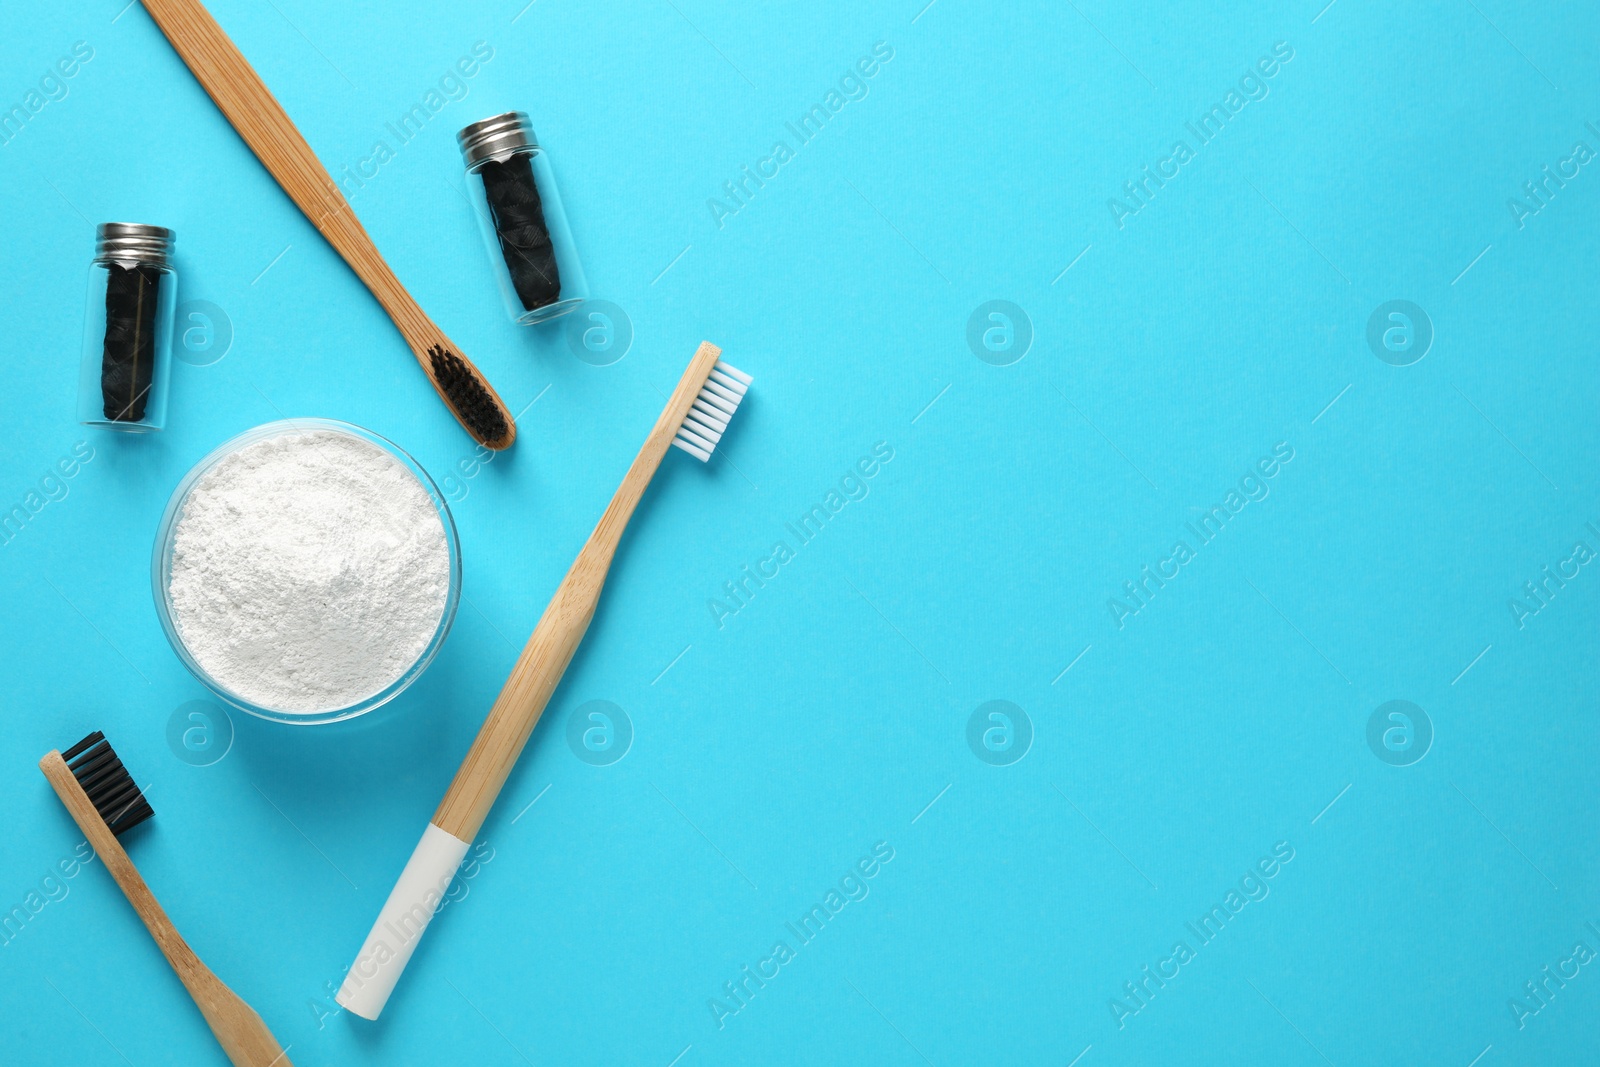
pixel 241 95
pixel 240 1031
pixel 561 628
pixel 538 670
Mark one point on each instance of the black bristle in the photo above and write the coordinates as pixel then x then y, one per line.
pixel 110 787
pixel 76 750
pixel 474 404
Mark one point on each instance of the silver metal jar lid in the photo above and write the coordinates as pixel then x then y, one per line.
pixel 496 137
pixel 133 241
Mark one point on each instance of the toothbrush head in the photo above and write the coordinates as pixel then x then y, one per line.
pixel 708 418
pixel 109 786
pixel 479 410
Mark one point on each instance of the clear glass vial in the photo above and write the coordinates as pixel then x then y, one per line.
pixel 519 212
pixel 127 333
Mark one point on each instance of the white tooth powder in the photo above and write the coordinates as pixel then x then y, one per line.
pixel 309 571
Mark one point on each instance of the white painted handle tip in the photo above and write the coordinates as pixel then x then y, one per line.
pixel 405 915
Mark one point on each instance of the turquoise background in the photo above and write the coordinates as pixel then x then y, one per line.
pixel 830 713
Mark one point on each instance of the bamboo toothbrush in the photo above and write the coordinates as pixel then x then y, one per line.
pixel 694 419
pixel 104 801
pixel 249 105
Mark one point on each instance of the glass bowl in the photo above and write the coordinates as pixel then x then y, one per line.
pixel 161 570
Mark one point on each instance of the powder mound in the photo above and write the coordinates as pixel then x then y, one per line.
pixel 309 571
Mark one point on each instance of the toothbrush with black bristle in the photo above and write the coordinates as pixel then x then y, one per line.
pixel 252 110
pixel 694 420
pixel 105 802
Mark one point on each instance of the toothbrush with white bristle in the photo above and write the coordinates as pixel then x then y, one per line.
pixel 694 420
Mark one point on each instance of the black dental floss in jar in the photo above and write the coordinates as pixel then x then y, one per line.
pixel 520 213
pixel 128 328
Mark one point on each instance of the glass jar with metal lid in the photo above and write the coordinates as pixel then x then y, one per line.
pixel 520 215
pixel 127 334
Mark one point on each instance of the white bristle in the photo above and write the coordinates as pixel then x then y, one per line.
pixel 708 418
pixel 709 414
pixel 707 432
pixel 717 389
pixel 728 381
